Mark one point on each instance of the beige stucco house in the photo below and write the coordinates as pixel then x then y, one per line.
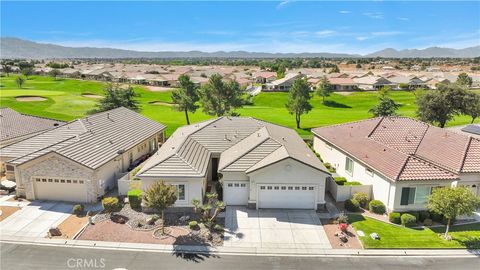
pixel 81 160
pixel 252 162
pixel 402 158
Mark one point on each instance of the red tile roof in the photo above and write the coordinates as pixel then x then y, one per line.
pixel 402 148
pixel 340 81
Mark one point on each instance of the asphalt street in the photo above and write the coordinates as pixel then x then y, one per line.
pixel 19 256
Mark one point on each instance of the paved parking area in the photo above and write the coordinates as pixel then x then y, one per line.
pixel 34 219
pixel 274 228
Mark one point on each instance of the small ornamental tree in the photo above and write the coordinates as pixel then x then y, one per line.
pixel 20 81
pixel 324 89
pixel 54 73
pixel 185 97
pixel 386 106
pixel 452 202
pixel 160 196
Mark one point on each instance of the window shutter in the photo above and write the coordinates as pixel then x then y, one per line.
pixel 405 196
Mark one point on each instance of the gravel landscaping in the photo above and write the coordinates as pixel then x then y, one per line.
pixel 332 230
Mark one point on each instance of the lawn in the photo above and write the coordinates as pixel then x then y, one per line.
pixel 463 236
pixel 64 101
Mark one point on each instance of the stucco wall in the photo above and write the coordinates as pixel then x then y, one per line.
pixel 288 171
pixel 194 188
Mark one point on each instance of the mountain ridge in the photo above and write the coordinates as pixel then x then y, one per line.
pixel 19 48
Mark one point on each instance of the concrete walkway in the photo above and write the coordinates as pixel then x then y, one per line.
pixel 274 229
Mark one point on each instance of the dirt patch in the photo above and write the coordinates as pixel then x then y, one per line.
pixel 162 103
pixel 7 211
pixel 29 98
pixel 87 95
pixel 159 88
pixel 331 229
pixel 70 226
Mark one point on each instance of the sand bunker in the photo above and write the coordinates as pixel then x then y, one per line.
pixel 30 98
pixel 92 96
pixel 162 103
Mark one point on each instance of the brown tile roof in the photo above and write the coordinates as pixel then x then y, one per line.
pixel 402 148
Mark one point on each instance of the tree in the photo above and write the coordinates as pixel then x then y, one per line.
pixel 386 106
pixel 160 196
pixel 281 72
pixel 115 97
pixel 20 81
pixel 452 202
pixel 298 99
pixel 27 71
pixel 471 105
pixel 464 80
pixel 185 97
pixel 358 65
pixel 219 98
pixel 441 106
pixel 324 89
pixel 54 73
pixel 335 69
pixel 6 68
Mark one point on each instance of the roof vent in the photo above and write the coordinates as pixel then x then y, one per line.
pixel 283 139
pixel 226 138
pixel 110 141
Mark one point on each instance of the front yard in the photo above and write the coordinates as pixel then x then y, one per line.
pixel 392 236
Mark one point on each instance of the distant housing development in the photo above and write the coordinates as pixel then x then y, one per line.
pixel 402 158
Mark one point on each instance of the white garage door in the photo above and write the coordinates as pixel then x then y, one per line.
pixel 235 193
pixel 59 189
pixel 286 196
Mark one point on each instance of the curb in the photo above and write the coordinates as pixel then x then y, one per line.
pixel 255 251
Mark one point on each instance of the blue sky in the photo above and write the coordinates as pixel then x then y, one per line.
pixel 274 26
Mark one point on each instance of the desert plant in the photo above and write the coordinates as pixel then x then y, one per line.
pixel 111 204
pixel 160 196
pixel 376 207
pixel 394 217
pixel 135 198
pixel 352 205
pixel 196 205
pixel 342 218
pixel 218 206
pixel 78 210
pixel 408 220
pixel 362 198
pixel 218 227
pixel 193 224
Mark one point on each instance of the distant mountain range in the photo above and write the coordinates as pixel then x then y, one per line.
pixel 19 48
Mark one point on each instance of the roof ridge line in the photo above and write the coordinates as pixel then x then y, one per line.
pixel 403 168
pixel 469 143
pixel 375 127
pixel 43 148
pixel 421 140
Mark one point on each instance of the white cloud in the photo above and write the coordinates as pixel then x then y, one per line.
pixel 403 18
pixel 386 33
pixel 218 33
pixel 283 3
pixel 374 15
pixel 325 33
pixel 344 11
pixel 362 38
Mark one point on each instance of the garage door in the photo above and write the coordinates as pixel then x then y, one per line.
pixel 235 193
pixel 60 189
pixel 286 196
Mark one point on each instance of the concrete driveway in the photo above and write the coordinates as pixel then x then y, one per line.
pixel 34 219
pixel 274 228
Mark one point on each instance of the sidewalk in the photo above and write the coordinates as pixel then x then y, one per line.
pixel 241 250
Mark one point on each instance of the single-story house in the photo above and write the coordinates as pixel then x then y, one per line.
pixel 256 164
pixel 343 84
pixel 265 77
pixel 284 83
pixel 81 160
pixel 402 158
pixel 372 82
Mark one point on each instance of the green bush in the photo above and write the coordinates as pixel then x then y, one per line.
pixel 422 215
pixel 340 180
pixel 218 227
pixel 427 222
pixel 436 216
pixel 353 183
pixel 394 217
pixel 415 214
pixel 111 204
pixel 377 207
pixel 78 210
pixel 362 198
pixel 193 224
pixel 352 205
pixel 135 198
pixel 408 220
pixel 327 165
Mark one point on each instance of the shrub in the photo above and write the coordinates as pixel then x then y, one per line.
pixel 111 204
pixel 218 227
pixel 415 214
pixel 155 217
pixel 362 198
pixel 343 227
pixel 340 180
pixel 78 210
pixel 353 183
pixel 352 205
pixel 423 215
pixel 436 216
pixel 394 217
pixel 342 218
pixel 327 165
pixel 193 224
pixel 427 222
pixel 377 207
pixel 408 220
pixel 135 198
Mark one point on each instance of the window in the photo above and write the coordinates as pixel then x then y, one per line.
pixel 180 192
pixel 415 195
pixel 349 165
pixel 81 181
pixel 269 187
pixel 276 187
pixel 38 180
pixel 421 195
pixel 304 188
pixel 243 185
pixel 311 188
pixel 44 180
pixel 50 180
pixel 297 188
pixel 9 168
pixel 284 187
pixel 262 187
pixel 56 181
pixel 69 181
pixel 369 171
pixel 229 185
pixel 62 181
pixel 75 181
pixel 290 188
pixel 237 185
